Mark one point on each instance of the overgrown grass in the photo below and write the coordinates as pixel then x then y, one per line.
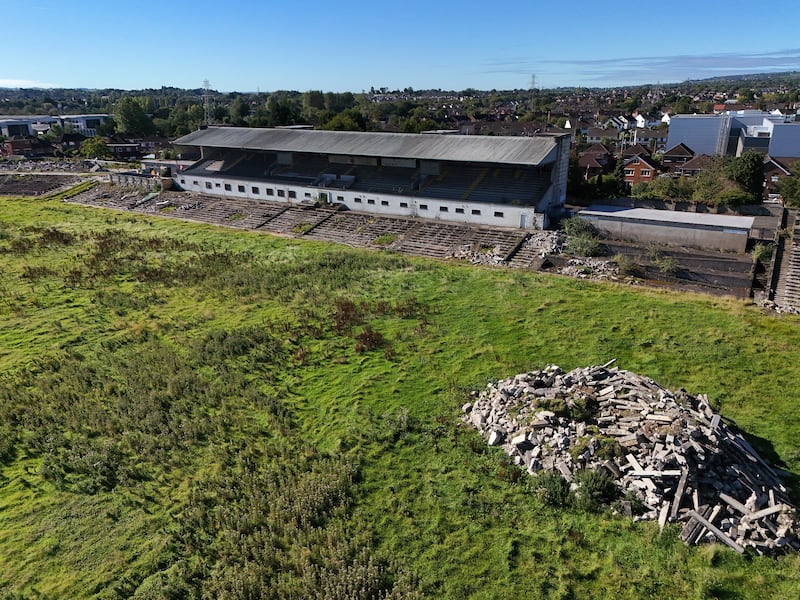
pixel 184 407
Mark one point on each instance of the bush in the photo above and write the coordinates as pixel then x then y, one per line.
pixel 761 253
pixel 584 246
pixel 577 227
pixel 595 489
pixel 583 238
pixel 552 489
pixel 733 198
pixel 626 266
pixel 668 265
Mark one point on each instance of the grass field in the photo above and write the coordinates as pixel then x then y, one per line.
pixel 187 411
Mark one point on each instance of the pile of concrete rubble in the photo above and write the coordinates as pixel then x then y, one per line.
pixel 545 243
pixel 590 268
pixel 669 449
pixel 482 256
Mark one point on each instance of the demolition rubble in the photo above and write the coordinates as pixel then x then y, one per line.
pixel 668 449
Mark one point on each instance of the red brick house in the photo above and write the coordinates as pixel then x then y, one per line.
pixel 17 146
pixel 639 169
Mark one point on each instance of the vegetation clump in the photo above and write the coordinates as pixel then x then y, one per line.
pixel 583 238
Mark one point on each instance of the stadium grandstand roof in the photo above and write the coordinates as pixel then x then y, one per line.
pixel 458 148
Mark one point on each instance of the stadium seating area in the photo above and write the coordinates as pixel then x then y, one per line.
pixel 459 182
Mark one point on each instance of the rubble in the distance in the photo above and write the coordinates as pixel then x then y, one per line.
pixel 670 449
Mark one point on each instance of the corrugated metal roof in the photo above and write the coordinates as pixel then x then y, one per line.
pixel 510 150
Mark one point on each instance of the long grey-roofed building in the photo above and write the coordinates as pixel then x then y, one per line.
pixel 483 180
pixel 699 230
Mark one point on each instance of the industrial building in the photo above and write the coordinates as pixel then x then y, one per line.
pixel 515 182
pixel 734 132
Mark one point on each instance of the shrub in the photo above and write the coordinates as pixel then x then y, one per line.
pixel 733 198
pixel 302 227
pixel 595 489
pixel 583 238
pixel 552 489
pixel 577 227
pixel 626 266
pixel 761 252
pixel 584 246
pixel 668 265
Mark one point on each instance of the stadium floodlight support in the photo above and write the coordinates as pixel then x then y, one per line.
pixel 207 101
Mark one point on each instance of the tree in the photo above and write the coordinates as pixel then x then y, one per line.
pixel 349 120
pixel 196 115
pixel 623 189
pixel 789 187
pixel 95 147
pixel 131 118
pixel 239 110
pixel 54 133
pixel 748 171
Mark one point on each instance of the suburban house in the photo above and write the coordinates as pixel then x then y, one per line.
pixel 639 169
pixel 597 160
pixel 577 125
pixel 692 167
pixel 651 138
pixel 69 142
pixel 596 135
pixel 676 156
pixel 775 169
pixel 635 150
pixel 28 146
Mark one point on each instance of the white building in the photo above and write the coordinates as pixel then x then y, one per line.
pixel 31 125
pixel 481 180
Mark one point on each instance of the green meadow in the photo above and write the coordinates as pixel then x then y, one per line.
pixel 193 412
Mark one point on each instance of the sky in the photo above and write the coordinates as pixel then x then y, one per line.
pixel 353 45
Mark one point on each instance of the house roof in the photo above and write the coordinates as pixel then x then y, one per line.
pixel 71 137
pixel 679 150
pixel 590 161
pixel 458 148
pixel 597 132
pixel 596 149
pixel 641 159
pixel 698 163
pixel 636 149
pixel 780 163
pixel 647 132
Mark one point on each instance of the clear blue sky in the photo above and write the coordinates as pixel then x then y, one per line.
pixel 353 44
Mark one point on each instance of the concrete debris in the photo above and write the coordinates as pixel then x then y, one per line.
pixel 479 256
pixel 591 268
pixel 778 308
pixel 667 449
pixel 545 243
